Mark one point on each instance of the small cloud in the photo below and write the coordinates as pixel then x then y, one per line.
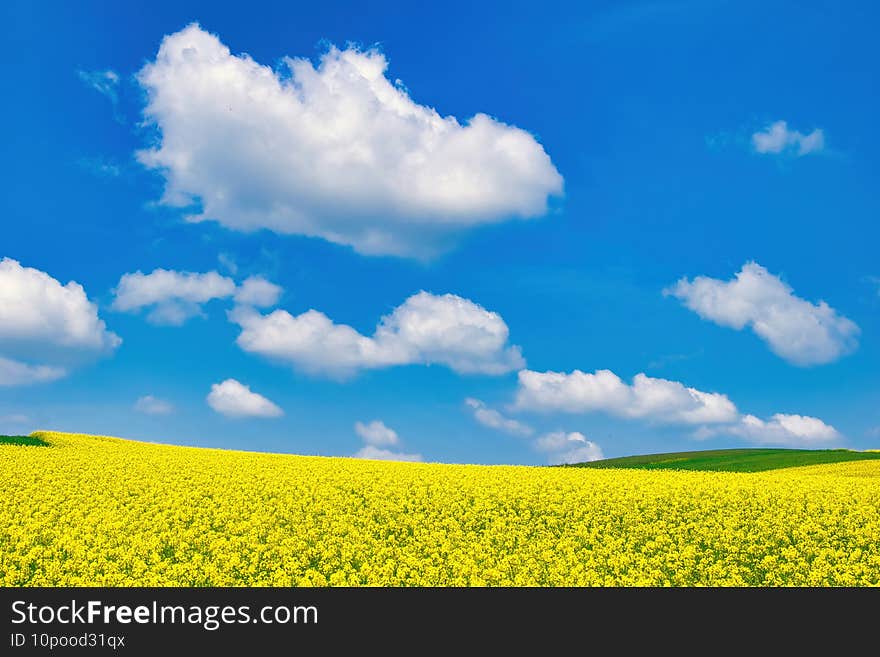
pixel 800 332
pixel 568 447
pixel 17 373
pixel 780 429
pixel 43 320
pixel 377 437
pixel 105 83
pixel 257 291
pixel 491 418
pixel 376 433
pixel 234 399
pixel 173 296
pixel 228 263
pixel 778 138
pixel 378 454
pixel 153 406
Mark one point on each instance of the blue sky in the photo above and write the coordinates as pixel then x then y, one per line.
pixel 624 150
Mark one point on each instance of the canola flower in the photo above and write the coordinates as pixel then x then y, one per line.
pixel 100 511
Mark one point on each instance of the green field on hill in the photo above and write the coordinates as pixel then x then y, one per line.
pixel 23 440
pixel 732 460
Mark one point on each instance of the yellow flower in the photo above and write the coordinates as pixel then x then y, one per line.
pixel 94 510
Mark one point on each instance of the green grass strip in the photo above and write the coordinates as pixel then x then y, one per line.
pixel 732 460
pixel 23 440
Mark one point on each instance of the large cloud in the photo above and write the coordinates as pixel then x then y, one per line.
pixel 236 400
pixel 42 320
pixel 338 151
pixel 801 332
pixel 647 398
pixel 425 329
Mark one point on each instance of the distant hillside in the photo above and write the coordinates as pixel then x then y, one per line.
pixel 732 460
pixel 22 440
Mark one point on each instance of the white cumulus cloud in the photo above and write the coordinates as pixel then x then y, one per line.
pixel 647 398
pixel 568 447
pixel 377 437
pixel 779 138
pixel 150 405
pixel 34 307
pixel 173 296
pixel 378 454
pixel 493 419
pixel 16 373
pixel 801 332
pixel 236 400
pixel 425 329
pixel 336 151
pixel 781 429
pixel 45 327
pixel 257 291
pixel 662 401
pixel 176 296
pixel 559 446
pixel 376 433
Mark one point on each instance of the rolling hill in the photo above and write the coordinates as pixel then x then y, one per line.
pixel 732 460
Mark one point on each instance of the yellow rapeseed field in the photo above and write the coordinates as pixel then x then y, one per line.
pixel 103 511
